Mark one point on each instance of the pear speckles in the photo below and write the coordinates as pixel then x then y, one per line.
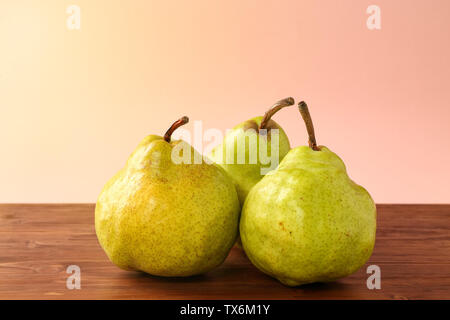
pixel 306 221
pixel 167 219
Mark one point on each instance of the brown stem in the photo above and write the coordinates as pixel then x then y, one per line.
pixel 175 126
pixel 275 108
pixel 303 107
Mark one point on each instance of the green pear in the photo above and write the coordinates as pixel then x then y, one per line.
pixel 165 216
pixel 242 153
pixel 307 221
pixel 251 149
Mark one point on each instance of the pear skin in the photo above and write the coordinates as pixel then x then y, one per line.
pixel 246 139
pixel 166 218
pixel 307 221
pixel 245 175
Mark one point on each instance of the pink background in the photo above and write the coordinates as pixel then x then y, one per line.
pixel 74 104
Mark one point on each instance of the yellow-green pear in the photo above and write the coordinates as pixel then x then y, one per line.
pixel 307 221
pixel 251 149
pixel 246 152
pixel 166 214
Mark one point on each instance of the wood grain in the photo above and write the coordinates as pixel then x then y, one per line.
pixel 38 242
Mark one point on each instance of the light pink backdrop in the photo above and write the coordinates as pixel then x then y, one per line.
pixel 74 104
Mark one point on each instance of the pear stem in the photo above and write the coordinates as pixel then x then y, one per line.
pixel 303 108
pixel 274 109
pixel 180 122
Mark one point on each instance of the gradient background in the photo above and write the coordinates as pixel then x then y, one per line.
pixel 74 104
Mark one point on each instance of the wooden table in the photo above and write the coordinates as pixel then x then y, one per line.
pixel 38 243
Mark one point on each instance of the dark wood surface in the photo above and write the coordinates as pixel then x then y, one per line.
pixel 38 243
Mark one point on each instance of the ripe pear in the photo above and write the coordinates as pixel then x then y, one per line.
pixel 240 152
pixel 164 217
pixel 307 221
